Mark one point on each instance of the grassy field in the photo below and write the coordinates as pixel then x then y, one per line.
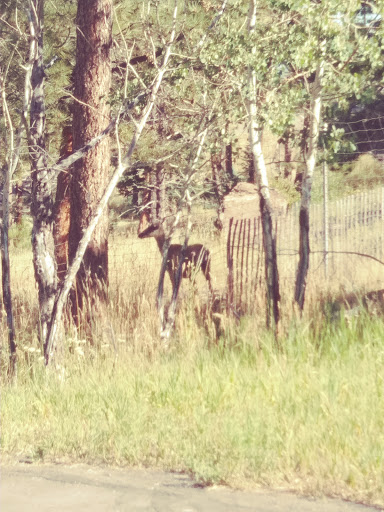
pixel 307 417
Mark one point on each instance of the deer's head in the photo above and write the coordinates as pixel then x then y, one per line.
pixel 155 230
pixel 150 229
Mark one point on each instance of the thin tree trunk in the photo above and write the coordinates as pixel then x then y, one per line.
pixel 6 270
pixel 251 170
pixel 13 145
pixel 42 184
pixel 5 187
pixel 91 174
pixel 304 246
pixel 5 191
pixel 217 168
pixel 269 240
pixel 228 162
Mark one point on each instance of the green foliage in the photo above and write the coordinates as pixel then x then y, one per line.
pixel 291 37
pixel 20 233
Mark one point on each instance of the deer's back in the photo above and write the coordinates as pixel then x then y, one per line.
pixel 195 255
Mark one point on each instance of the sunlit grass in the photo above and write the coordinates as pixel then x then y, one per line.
pixel 309 416
pixel 233 409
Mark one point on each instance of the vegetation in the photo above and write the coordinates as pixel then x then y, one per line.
pixel 307 417
pixel 224 399
pixel 237 410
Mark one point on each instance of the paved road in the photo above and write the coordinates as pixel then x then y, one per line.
pixel 81 488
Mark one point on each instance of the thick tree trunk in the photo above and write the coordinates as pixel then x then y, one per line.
pixel 91 174
pixel 124 164
pixel 63 208
pixel 304 246
pixel 42 184
pixel 269 239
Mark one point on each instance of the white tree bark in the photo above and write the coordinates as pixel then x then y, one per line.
pixel 269 240
pixel 311 158
pixel 43 247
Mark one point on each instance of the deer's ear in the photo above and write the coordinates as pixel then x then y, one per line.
pixel 143 223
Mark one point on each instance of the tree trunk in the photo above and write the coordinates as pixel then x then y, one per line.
pixel 124 164
pixel 92 79
pixel 269 240
pixel 217 168
pixel 42 183
pixel 6 270
pixel 229 163
pixel 304 246
pixel 5 189
pixel 62 208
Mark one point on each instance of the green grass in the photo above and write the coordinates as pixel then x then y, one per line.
pixel 308 417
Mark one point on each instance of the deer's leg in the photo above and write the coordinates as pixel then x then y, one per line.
pixel 172 277
pixel 207 270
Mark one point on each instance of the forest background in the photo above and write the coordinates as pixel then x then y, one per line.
pixel 180 101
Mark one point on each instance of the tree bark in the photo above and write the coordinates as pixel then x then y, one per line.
pixel 92 79
pixel 62 208
pixel 6 270
pixel 269 239
pixel 229 162
pixel 124 164
pixel 5 189
pixel 42 183
pixel 304 245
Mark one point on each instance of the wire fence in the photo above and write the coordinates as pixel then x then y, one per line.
pixel 347 246
pixel 346 235
pixel 346 240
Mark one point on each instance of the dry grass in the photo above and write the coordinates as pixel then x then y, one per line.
pixel 235 410
pixel 134 269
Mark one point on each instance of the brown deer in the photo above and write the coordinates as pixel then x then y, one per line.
pixel 196 257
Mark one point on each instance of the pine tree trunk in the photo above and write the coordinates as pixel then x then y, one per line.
pixel 62 208
pixel 91 174
pixel 124 164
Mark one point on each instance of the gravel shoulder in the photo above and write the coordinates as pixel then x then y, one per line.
pixel 44 488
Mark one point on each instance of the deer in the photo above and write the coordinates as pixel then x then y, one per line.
pixel 196 256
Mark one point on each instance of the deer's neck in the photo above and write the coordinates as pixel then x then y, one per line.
pixel 160 239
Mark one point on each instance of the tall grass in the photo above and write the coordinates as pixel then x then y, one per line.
pixel 308 416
